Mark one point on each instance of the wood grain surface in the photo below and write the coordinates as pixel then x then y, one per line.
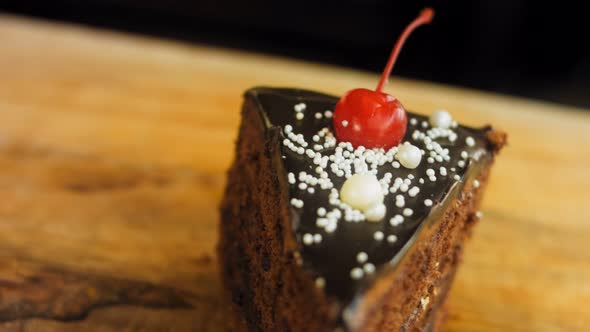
pixel 113 151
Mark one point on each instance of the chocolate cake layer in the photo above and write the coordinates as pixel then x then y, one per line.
pixel 284 257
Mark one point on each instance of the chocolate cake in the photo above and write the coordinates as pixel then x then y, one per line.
pixel 296 255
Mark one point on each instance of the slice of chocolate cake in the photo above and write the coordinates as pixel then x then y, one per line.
pixel 318 234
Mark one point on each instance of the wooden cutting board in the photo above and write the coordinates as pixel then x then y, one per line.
pixel 113 151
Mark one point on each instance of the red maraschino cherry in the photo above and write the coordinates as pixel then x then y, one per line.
pixel 375 119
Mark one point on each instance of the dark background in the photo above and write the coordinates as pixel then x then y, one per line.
pixel 530 48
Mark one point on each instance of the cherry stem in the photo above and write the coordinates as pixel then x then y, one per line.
pixel 424 17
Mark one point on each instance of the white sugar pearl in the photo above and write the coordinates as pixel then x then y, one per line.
pixel 396 220
pixel 362 191
pixel 320 282
pixel 369 268
pixel 441 119
pixel 378 236
pixel 376 212
pixel 356 273
pixel 362 257
pixel 391 238
pixel 408 212
pixel 409 156
pixel 299 107
pixel 307 239
pixel 470 141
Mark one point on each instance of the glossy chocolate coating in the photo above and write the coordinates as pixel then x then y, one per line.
pixel 335 256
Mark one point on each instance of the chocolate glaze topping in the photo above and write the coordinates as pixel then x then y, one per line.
pixel 336 255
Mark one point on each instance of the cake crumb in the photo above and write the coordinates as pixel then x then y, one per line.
pixel 424 302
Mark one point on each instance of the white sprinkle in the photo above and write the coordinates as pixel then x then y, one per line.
pixel 376 213
pixel 409 155
pixel 318 116
pixel 428 202
pixel 307 239
pixel 328 114
pixel 288 129
pixel 395 164
pixel 413 121
pixel 315 138
pixel 296 202
pixel 362 257
pixel 344 123
pixel 396 220
pixel 421 180
pixel 443 171
pixel 378 236
pixel 302 185
pixel 291 178
pixel 457 177
pixel 321 222
pixel 432 178
pixel 424 124
pixel 430 160
pixel 299 107
pixel 321 212
pixel 299 116
pixel 430 172
pixel 320 282
pixel 475 184
pixel 470 141
pixel 317 238
pixel 331 227
pixel 414 191
pixel 369 268
pixel 356 273
pixel 391 238
pixel 461 163
pixel 408 212
pixel 464 154
pixel 310 190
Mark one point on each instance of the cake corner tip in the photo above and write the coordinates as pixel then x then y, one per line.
pixel 497 139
